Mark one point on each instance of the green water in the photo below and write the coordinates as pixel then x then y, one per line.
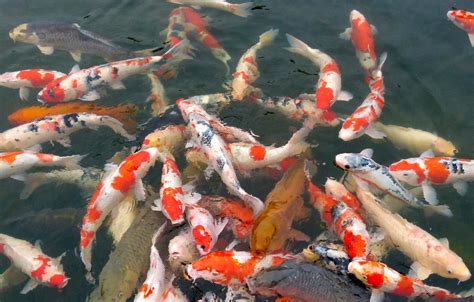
pixel 428 78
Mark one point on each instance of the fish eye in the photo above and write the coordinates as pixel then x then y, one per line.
pixel 450 271
pixel 51 92
pixel 405 174
pixel 203 247
pixel 347 166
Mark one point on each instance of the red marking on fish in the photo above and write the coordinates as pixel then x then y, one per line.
pixel 171 204
pixel 250 60
pixel 257 152
pixel 404 287
pixel 37 79
pixel 375 277
pixel 146 290
pixel 407 166
pixel 74 83
pixel 41 270
pixel 45 158
pixel 436 172
pixel 57 281
pixel 86 237
pixel 202 237
pixel 331 67
pixel 244 76
pixel 2 248
pixel 126 178
pixel 9 157
pixel 355 245
pixel 362 36
pixel 93 214
pixel 324 96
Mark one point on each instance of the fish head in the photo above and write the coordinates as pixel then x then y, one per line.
pixel 334 188
pixel 366 59
pixel 58 280
pixel 24 33
pixel 449 265
pixel 371 273
pixel 263 235
pixel 353 162
pixel 408 171
pixel 203 239
pixel 350 131
pixel 186 107
pixel 6 78
pixel 444 147
pixel 460 18
pixel 52 93
pixel 357 16
pixel 239 88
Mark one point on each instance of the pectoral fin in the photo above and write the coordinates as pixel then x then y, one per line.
pixel 419 271
pixel 24 93
pixel 30 285
pixel 117 85
pixel 46 50
pixel 76 55
pixel 346 35
pixel 344 96
pixel 427 153
pixel 90 96
pixel 471 38
pixel 298 235
pixel 377 295
pixel 461 187
pixel 429 194
pixel 65 142
pixel 139 190
pixel 374 133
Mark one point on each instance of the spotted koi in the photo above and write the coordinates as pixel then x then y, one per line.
pixel 338 191
pixel 241 10
pixel 464 20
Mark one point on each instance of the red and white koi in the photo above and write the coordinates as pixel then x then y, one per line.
pixel 428 170
pixel 56 128
pixel 173 294
pixel 29 259
pixel 169 139
pixel 182 249
pixel 241 10
pixel 247 72
pixel 15 164
pixel 157 96
pixel 361 34
pixel 343 220
pixel 383 279
pixel 361 121
pixel 28 78
pixel 429 254
pixel 328 88
pixel 110 192
pixel 464 20
pixel 339 192
pixel 154 285
pixel 81 84
pixel 204 228
pixel 232 268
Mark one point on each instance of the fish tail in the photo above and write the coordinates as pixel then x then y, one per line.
pixel 443 210
pixel 299 47
pixel 242 10
pixel 32 182
pixel 297 143
pixel 267 37
pixel 71 162
pixel 175 54
pixel 117 127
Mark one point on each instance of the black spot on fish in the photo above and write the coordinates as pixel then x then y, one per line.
pixel 92 76
pixel 33 128
pixel 220 163
pixel 207 137
pixel 134 39
pixel 157 49
pixel 83 123
pixel 69 119
pixel 114 72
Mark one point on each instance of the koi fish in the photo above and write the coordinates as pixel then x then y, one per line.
pixel 157 96
pixel 56 128
pixel 11 277
pixel 383 279
pixel 379 176
pixel 230 268
pixel 173 294
pixel 416 141
pixel 182 249
pixel 204 136
pixel 328 88
pixel 29 259
pixel 246 72
pixel 428 170
pixel 169 139
pixel 361 120
pixel 154 285
pixel 273 226
pixel 121 112
pixel 113 189
pixel 361 34
pixel 29 78
pixel 339 192
pixel 464 20
pixel 51 35
pixel 81 84
pixel 429 254
pixel 343 220
pixel 15 164
pixel 241 10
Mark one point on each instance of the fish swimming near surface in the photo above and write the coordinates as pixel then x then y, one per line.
pixel 10 278
pixel 339 192
pixel 168 139
pixel 241 10
pixel 28 78
pixel 247 72
pixel 328 89
pixel 464 20
pixel 29 259
pixel 157 96
pixel 51 35
pixel 83 84
pixel 56 128
pixel 182 249
pixel 122 112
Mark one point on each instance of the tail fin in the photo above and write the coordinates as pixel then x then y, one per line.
pixel 242 10
pixel 298 46
pixel 443 210
pixel 71 162
pixel 117 127
pixel 267 37
pixel 32 182
pixel 175 54
pixel 297 144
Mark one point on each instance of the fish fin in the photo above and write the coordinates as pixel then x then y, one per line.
pixel 65 142
pixel 191 198
pixel 139 190
pixel 157 205
pixel 297 144
pixel 242 10
pixel 24 93
pixel 117 85
pixel 427 153
pixel 174 55
pixel 220 225
pixel 19 177
pixel 90 96
pixel 38 245
pixel 35 148
pixel 376 236
pixel 444 242
pixel 76 55
pixel 72 162
pixel 460 187
pixel 471 38
pixel 372 132
pixel 32 182
pixel 231 245
pixel 208 172
pixel 30 285
pixel 344 96
pixel 346 34
pixel 267 37
pixel 377 295
pixel 419 271
pixel 374 29
pixel 297 235
pixel 74 69
pixel 46 50
pixel 60 257
pixel 195 7
pixel 443 210
pixel 367 152
pixel 109 168
pixel 429 194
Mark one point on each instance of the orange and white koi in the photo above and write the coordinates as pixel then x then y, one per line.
pixel 29 259
pixel 169 139
pixel 113 189
pixel 204 228
pixel 157 96
pixel 229 268
pixel 361 121
pixel 173 294
pixel 81 84
pixel 328 88
pixel 339 192
pixel 241 10
pixel 361 34
pixel 428 170
pixel 246 72
pixel 15 164
pixel 383 279
pixel 429 254
pixel 464 20
pixel 343 220
pixel 56 128
pixel 28 78
pixel 182 249
pixel 154 284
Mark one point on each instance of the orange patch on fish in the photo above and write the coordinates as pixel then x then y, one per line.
pixel 9 157
pixel 126 178
pixel 407 166
pixel 436 171
pixel 170 203
pixel 375 277
pixel 57 281
pixel 37 79
pixel 93 214
pixel 41 270
pixel 324 96
pixel 202 237
pixel 45 158
pixel 86 237
pixel 356 245
pixel 257 152
pixel 331 67
pixel 404 287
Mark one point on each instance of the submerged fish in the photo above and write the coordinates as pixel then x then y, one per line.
pixel 51 35
pixel 11 277
pixel 182 249
pixel 28 78
pixel 464 20
pixel 241 10
pixel 157 96
pixel 168 139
